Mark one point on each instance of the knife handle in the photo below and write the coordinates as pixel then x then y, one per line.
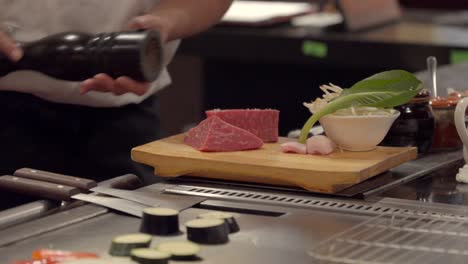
pixel 37 188
pixel 125 182
pixel 46 176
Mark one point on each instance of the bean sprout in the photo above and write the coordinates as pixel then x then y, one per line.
pixel 330 91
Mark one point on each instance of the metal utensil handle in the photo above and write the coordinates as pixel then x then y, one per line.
pixel 37 188
pixel 46 176
pixel 432 67
pixel 26 212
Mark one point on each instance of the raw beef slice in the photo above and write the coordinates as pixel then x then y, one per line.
pixel 262 123
pixel 215 135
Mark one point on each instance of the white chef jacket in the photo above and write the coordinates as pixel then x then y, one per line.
pixel 29 20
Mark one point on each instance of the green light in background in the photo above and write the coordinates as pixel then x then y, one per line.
pixel 458 56
pixel 315 49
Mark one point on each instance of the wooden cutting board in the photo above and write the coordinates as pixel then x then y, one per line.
pixel 327 174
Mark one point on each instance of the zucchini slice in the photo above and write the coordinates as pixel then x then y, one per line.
pixel 180 250
pixel 207 231
pixel 227 217
pixel 160 221
pixel 123 245
pixel 150 256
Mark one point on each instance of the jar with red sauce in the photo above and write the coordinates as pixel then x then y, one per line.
pixel 445 134
pixel 415 125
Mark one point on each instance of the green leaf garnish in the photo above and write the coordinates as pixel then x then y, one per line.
pixel 383 90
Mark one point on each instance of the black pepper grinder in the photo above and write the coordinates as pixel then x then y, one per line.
pixel 75 56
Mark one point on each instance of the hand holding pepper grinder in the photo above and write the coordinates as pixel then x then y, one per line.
pixel 74 56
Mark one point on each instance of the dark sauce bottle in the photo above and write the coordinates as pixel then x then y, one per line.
pixel 78 56
pixel 415 126
pixel 445 135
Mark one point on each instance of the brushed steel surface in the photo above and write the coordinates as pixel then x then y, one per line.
pixel 403 237
pixel 281 199
pixel 262 239
pixel 288 238
pixel 436 187
pixel 49 223
pixel 435 162
pixel 26 212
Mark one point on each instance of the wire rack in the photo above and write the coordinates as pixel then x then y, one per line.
pixel 399 238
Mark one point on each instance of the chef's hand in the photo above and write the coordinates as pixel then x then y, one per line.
pixel 9 47
pixel 122 85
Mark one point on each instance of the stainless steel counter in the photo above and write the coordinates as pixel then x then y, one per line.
pixel 262 239
pixel 270 233
pixel 436 187
pixel 279 225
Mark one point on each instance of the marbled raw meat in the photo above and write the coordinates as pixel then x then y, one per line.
pixel 261 122
pixel 215 135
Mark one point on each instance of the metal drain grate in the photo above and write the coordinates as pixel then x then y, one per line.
pixel 283 199
pixel 399 238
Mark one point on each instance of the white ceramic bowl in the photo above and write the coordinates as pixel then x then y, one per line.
pixel 357 133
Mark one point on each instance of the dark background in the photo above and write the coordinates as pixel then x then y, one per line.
pixel 248 67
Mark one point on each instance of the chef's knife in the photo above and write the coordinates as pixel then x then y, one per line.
pixel 42 189
pixel 126 182
pixel 149 199
pixel 153 199
pixel 40 208
pixel 118 204
pixel 26 225
pixel 133 196
pixel 33 174
pixel 66 193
